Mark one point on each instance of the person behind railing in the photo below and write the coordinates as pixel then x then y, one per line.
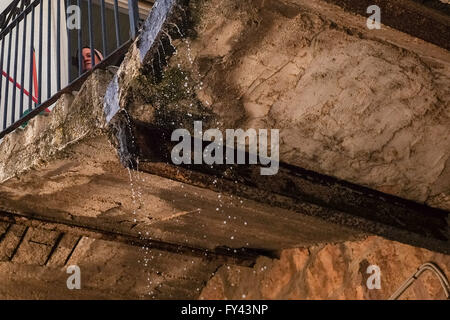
pixel 86 65
pixel 86 59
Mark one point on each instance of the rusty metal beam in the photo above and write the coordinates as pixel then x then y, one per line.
pixel 429 22
pixel 300 190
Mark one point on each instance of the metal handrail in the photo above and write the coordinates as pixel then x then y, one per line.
pixel 426 266
pixel 17 103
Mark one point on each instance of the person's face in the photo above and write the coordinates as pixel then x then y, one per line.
pixel 87 59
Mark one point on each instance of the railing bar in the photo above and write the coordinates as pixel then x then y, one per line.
pixel 22 77
pixel 49 49
pixel 1 67
pixel 80 66
pixel 91 34
pixel 16 56
pixel 116 20
pixel 103 13
pixel 58 45
pixel 41 17
pixel 5 114
pixel 69 45
pixel 30 101
pixel 133 10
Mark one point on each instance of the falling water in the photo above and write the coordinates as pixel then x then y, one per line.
pixel 153 29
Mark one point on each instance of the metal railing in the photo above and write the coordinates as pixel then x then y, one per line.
pixel 41 57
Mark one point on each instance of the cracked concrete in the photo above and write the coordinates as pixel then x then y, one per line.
pixel 363 106
pixel 367 107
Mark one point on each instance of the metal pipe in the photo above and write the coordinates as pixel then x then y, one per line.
pixel 426 266
pixel 103 17
pixel 91 34
pixel 117 22
pixel 58 45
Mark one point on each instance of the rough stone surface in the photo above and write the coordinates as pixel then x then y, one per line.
pixel 109 270
pixel 368 107
pixel 332 271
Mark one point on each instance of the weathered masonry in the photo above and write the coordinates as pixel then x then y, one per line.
pixel 364 148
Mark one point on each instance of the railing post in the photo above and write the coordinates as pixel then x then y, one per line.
pixel 134 17
pixel 117 21
pixel 32 63
pixel 103 21
pixel 49 48
pixel 91 34
pixel 58 45
pixel 80 44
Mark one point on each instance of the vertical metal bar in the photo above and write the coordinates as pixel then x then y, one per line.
pixel 8 62
pixel 16 56
pixel 1 67
pixel 134 17
pixel 116 21
pixel 22 78
pixel 49 49
pixel 69 45
pixel 58 45
pixel 41 24
pixel 30 101
pixel 103 13
pixel 80 58
pixel 91 34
